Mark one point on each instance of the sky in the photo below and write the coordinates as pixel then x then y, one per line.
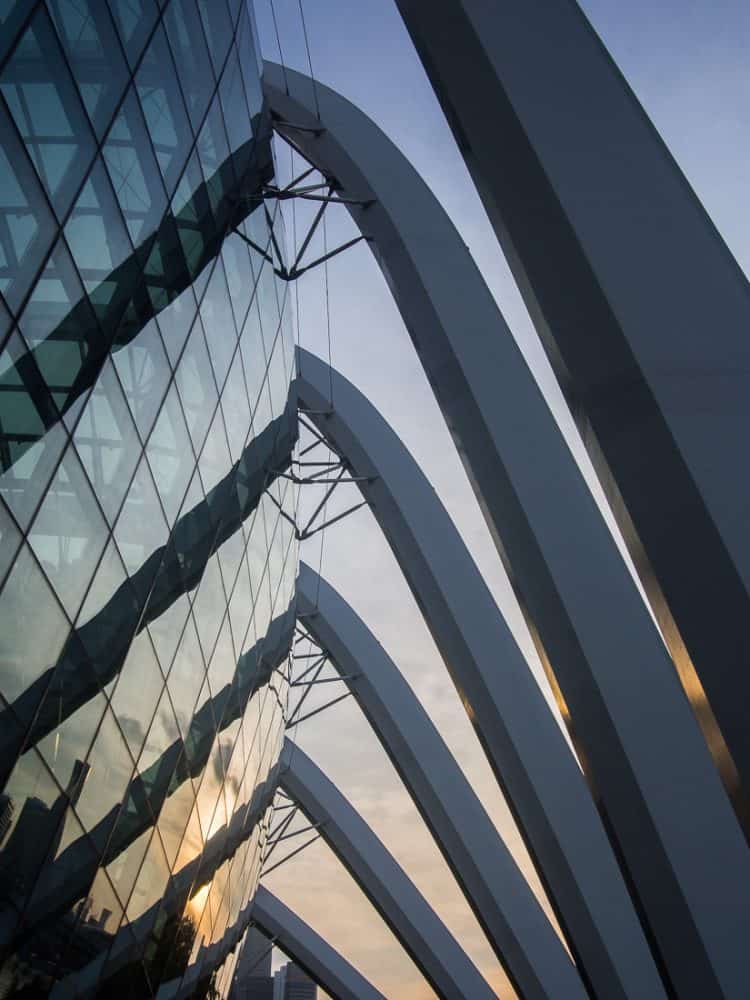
pixel 687 63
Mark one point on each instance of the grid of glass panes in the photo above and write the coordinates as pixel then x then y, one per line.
pixel 143 356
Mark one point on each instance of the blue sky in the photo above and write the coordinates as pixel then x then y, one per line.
pixel 687 62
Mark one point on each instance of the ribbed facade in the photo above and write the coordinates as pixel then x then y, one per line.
pixel 147 579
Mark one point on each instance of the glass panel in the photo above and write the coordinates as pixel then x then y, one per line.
pixel 152 880
pixel 91 44
pixel 163 733
pixel 173 818
pixel 213 152
pixel 107 442
pixel 48 112
pixel 27 454
pixel 27 225
pixel 215 461
pixel 144 374
pixel 236 116
pixel 138 690
pixel 218 28
pixel 250 68
pixel 33 626
pixel 223 660
pixel 132 167
pixel 141 529
pixel 171 455
pixel 69 533
pixel 188 44
pixel 111 770
pixel 164 109
pixel 134 20
pixel 59 325
pixel 102 250
pixel 253 357
pixel 124 870
pixel 175 322
pixel 10 538
pixel 33 814
pixel 186 677
pixel 110 575
pixel 166 631
pixel 236 409
pixel 218 323
pixel 197 387
pixel 209 606
pixel 68 745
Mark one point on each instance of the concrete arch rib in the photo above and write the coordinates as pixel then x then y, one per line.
pixel 523 743
pixel 422 934
pixel 676 836
pixel 300 942
pixel 499 895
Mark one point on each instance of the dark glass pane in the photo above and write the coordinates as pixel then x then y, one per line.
pixel 107 442
pixel 236 116
pixel 164 109
pixel 144 373
pixel 134 20
pixel 251 69
pixel 218 323
pixel 27 225
pixel 60 326
pixel 218 28
pixel 102 250
pixel 48 112
pixel 188 44
pixel 136 178
pixel 33 627
pixel 170 455
pixel 28 449
pixel 197 387
pixel 69 532
pixel 93 49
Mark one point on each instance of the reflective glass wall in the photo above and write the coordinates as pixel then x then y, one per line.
pixel 146 574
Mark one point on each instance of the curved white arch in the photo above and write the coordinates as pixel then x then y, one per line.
pixel 667 813
pixel 497 891
pixel 309 950
pixel 422 934
pixel 524 745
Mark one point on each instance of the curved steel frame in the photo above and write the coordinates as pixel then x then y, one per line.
pixel 663 399
pixel 666 811
pixel 422 934
pixel 496 890
pixel 300 942
pixel 523 743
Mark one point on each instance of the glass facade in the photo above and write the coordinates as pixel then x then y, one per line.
pixel 146 574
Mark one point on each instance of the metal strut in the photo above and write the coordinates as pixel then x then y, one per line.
pixel 323 192
pixel 330 474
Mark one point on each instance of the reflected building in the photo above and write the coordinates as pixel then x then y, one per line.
pixel 146 578
pixel 252 978
pixel 292 983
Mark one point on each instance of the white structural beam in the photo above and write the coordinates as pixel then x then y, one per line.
pixel 641 308
pixel 673 827
pixel 422 934
pixel 309 950
pixel 524 745
pixel 520 933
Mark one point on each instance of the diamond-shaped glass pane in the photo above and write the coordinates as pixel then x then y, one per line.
pixel 69 532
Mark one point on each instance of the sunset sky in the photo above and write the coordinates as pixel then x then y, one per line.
pixel 687 62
